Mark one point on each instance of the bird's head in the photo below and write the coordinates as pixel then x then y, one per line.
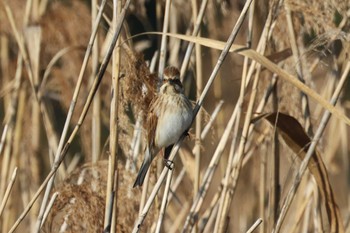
pixel 171 81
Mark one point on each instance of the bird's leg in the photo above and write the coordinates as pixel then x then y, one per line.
pixel 168 163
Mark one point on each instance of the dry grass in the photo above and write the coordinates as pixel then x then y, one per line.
pixel 248 168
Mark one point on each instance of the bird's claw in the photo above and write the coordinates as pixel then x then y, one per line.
pixel 169 164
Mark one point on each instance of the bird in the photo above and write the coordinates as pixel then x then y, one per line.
pixel 170 115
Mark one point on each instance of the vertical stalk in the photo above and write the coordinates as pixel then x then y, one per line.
pixel 113 143
pixel 69 115
pixel 274 170
pixel 163 44
pixel 96 106
pixel 334 226
pixel 33 38
pixel 199 84
pixel 300 74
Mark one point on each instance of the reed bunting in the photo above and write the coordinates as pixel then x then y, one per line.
pixel 169 117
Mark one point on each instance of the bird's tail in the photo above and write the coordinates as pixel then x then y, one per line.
pixel 143 170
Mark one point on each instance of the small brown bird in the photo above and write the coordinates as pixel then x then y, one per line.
pixel 169 117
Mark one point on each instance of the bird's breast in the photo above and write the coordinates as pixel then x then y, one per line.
pixel 173 121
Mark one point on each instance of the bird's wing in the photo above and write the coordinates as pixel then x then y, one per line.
pixel 152 121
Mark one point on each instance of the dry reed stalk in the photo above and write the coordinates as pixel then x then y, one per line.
pixel 255 225
pixel 300 72
pixel 176 184
pixel 35 10
pixel 8 191
pixel 51 138
pixel 164 201
pixel 237 160
pixel 334 224
pixel 49 207
pixel 96 106
pixel 113 142
pixel 27 12
pixel 6 162
pixel 4 66
pixel 258 58
pixel 32 36
pixel 180 217
pixel 199 85
pixel 144 193
pixel 199 198
pixel 236 163
pixel 35 197
pixel 81 118
pixel 306 220
pixel 212 77
pixel 9 125
pixel 115 198
pixel 195 32
pixel 218 85
pixel 262 187
pixel 163 45
pixel 73 163
pixel 21 114
pixel 253 149
pixel 317 218
pixel 220 218
pixel 69 115
pixel 305 201
pixel 274 168
pixel 134 145
pixel 211 221
pixel 208 125
pixel 7 136
pixel 42 7
pixel 211 211
pixel 173 45
pixel 244 82
pixel 211 120
pixel 21 45
pixel 51 64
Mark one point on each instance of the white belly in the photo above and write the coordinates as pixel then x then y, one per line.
pixel 171 126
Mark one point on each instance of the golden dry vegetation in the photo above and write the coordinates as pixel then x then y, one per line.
pixel 263 148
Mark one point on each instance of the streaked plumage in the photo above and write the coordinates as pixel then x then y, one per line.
pixel 169 117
